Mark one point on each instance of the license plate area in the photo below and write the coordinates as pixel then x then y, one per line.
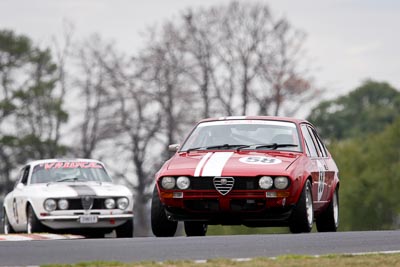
pixel 88 219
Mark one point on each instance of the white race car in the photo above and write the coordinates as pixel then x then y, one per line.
pixel 63 195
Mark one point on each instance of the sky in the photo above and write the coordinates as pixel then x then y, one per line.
pixel 348 41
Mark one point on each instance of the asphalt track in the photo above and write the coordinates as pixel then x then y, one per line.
pixel 24 253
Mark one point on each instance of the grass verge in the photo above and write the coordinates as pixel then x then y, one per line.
pixel 382 260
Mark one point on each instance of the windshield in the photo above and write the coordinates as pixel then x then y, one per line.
pixel 244 134
pixel 69 171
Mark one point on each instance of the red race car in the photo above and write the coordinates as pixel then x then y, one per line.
pixel 256 171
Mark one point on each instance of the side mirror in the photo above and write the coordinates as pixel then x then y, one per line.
pixel 20 186
pixel 174 147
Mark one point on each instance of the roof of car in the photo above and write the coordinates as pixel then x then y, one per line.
pixel 36 162
pixel 274 118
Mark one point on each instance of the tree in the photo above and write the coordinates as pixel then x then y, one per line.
pixel 369 177
pixel 367 109
pixel 31 106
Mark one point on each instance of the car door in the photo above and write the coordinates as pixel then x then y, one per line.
pixel 319 166
pixel 19 199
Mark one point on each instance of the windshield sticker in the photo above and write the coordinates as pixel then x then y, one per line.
pixel 260 160
pixel 71 165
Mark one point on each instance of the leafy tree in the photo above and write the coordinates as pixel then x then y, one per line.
pixel 31 110
pixel 368 109
pixel 369 172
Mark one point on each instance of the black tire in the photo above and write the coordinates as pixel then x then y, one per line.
pixel 7 228
pixel 195 228
pixel 160 225
pixel 302 217
pixel 328 220
pixel 33 224
pixel 125 230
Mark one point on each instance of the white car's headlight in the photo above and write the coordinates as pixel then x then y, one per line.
pixel 63 204
pixel 281 182
pixel 50 204
pixel 109 203
pixel 122 203
pixel 183 182
pixel 168 182
pixel 265 182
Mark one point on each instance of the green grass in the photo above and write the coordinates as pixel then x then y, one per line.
pixel 381 260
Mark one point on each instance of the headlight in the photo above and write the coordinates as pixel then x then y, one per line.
pixel 122 203
pixel 109 203
pixel 281 182
pixel 168 182
pixel 265 182
pixel 63 204
pixel 183 182
pixel 50 204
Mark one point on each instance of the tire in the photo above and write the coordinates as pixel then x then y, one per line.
pixel 302 218
pixel 160 225
pixel 195 228
pixel 33 225
pixel 125 230
pixel 328 220
pixel 7 228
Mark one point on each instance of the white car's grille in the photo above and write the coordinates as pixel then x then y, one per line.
pixel 87 202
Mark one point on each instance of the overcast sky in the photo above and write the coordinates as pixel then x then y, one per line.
pixel 348 40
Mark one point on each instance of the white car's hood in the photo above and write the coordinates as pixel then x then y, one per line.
pixel 76 189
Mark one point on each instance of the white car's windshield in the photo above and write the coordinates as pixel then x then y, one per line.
pixel 244 134
pixel 69 171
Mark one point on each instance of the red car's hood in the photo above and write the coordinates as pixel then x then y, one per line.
pixel 230 163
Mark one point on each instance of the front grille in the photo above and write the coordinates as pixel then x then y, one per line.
pixel 87 202
pixel 77 204
pixel 241 183
pixel 223 184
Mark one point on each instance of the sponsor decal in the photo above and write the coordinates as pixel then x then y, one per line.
pixel 71 165
pixel 260 160
pixel 212 164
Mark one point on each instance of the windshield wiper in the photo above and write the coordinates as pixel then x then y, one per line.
pixel 216 147
pixel 196 148
pixel 274 146
pixel 227 146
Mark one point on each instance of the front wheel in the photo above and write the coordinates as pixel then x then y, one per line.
pixel 125 230
pixel 195 228
pixel 302 218
pixel 328 220
pixel 160 225
pixel 7 228
pixel 33 224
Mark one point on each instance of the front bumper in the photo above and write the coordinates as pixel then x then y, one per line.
pixel 252 208
pixel 71 221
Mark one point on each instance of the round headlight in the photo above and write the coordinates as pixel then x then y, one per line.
pixel 183 182
pixel 281 182
pixel 265 182
pixel 168 182
pixel 63 204
pixel 109 203
pixel 50 204
pixel 122 203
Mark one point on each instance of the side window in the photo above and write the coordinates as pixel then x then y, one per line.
pixel 309 142
pixel 25 175
pixel 321 146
